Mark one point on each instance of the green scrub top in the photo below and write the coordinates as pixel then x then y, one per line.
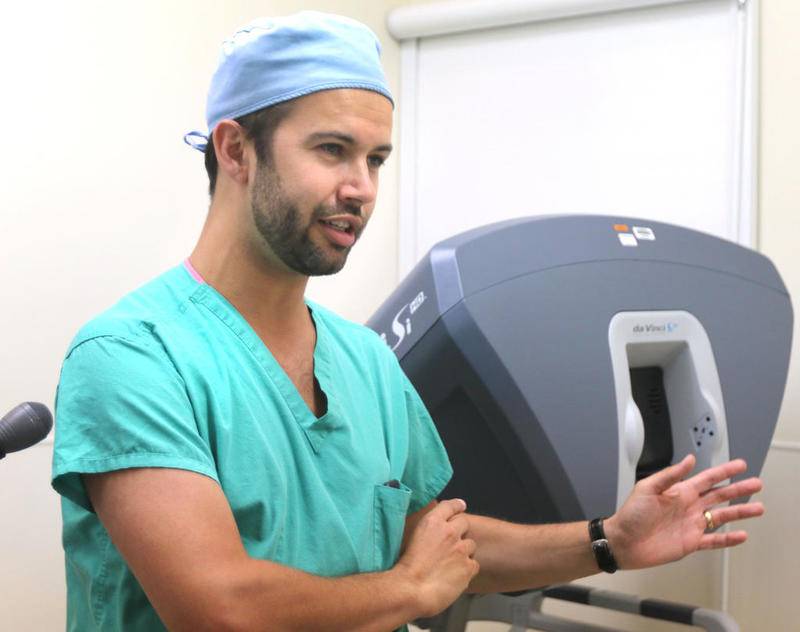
pixel 173 376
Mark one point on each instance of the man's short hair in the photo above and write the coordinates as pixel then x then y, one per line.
pixel 259 126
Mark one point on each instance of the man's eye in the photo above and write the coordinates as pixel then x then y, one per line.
pixel 331 148
pixel 376 161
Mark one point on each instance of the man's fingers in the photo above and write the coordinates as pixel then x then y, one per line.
pixel 725 493
pixel 724 515
pixel 722 540
pixel 703 482
pixel 449 508
pixel 666 478
pixel 469 547
pixel 475 567
pixel 460 524
pixel 713 476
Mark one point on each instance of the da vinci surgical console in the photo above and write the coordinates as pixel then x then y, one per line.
pixel 565 357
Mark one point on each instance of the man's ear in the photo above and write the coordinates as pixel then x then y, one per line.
pixel 231 147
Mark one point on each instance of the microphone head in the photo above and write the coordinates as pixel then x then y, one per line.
pixel 24 426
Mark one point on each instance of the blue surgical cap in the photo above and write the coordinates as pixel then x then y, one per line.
pixel 272 60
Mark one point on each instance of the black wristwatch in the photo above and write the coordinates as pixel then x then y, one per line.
pixel 600 548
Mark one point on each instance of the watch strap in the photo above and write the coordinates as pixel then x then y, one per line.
pixel 600 547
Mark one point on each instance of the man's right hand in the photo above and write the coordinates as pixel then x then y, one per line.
pixel 438 558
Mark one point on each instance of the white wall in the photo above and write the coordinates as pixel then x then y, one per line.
pixel 765 573
pixel 98 194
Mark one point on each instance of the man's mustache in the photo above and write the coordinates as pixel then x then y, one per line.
pixel 324 212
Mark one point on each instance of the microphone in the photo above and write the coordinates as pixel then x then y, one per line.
pixel 24 426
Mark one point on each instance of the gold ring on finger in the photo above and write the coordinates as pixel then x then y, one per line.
pixel 710 526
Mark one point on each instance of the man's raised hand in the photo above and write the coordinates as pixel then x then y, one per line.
pixel 664 519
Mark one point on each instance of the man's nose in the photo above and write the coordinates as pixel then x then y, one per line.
pixel 359 188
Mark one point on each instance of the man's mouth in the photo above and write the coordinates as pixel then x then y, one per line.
pixel 341 232
pixel 338 225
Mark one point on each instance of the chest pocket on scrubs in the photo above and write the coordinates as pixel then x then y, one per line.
pixel 389 520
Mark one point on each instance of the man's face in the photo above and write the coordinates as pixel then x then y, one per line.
pixel 312 200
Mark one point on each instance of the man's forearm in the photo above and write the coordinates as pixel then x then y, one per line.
pixel 262 595
pixel 517 557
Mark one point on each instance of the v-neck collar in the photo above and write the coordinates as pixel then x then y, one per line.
pixel 315 428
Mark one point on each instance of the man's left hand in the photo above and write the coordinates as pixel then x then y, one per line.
pixel 665 518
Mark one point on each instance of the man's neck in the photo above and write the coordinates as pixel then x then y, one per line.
pixel 266 294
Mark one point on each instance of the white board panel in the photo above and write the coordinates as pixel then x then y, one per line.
pixel 636 113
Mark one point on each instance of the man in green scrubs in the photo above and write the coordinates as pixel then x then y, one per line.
pixel 232 456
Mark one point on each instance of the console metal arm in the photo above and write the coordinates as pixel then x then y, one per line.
pixel 524 611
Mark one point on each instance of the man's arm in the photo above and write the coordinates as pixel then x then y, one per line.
pixel 177 533
pixel 662 521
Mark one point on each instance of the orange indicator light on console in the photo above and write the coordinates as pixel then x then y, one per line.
pixel 621 228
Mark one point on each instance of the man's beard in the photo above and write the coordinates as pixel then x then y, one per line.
pixel 278 221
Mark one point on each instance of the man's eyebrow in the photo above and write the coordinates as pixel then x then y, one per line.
pixel 345 138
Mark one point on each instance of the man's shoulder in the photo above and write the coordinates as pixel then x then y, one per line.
pixel 133 317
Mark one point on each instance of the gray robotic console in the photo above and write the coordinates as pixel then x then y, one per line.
pixel 565 357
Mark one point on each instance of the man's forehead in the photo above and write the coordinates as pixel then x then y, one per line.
pixel 348 112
